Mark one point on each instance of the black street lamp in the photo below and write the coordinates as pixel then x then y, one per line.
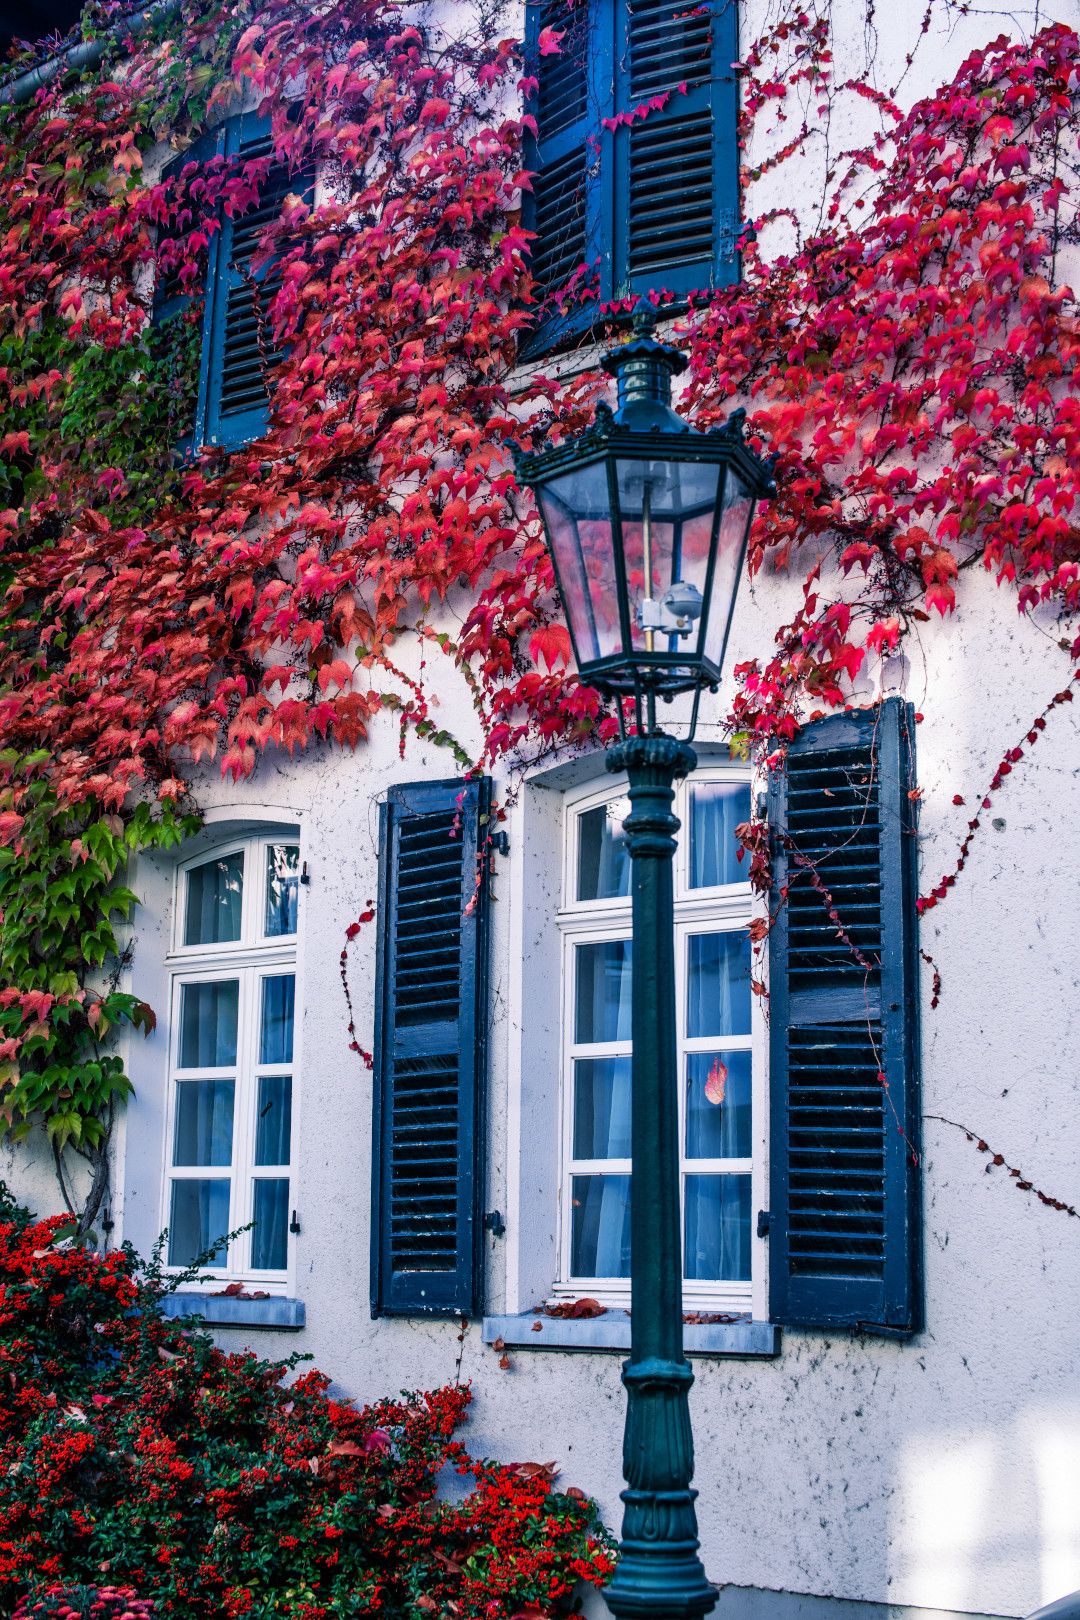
pixel 647 523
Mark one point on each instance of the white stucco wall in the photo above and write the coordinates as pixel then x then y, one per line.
pixel 944 1472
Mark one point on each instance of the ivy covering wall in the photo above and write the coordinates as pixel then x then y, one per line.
pixel 913 362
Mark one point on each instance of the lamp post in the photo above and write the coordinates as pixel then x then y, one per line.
pixel 647 523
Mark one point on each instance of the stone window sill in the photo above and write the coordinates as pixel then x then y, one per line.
pixel 224 1310
pixel 611 1333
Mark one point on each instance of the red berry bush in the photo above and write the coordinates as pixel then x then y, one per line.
pixel 84 1603
pixel 136 1458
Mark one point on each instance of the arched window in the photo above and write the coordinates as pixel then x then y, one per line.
pixel 232 1079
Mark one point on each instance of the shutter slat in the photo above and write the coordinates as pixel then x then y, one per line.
pixel 844 1234
pixel 562 75
pixel 427 1179
pixel 669 45
pixel 671 192
pixel 559 221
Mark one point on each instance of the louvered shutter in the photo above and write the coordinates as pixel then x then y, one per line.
pixel 171 298
pixel 844 1231
pixel 675 170
pixel 566 207
pixel 428 1136
pixel 238 346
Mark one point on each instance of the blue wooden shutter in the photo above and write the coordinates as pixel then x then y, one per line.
pixel 431 1011
pixel 238 349
pixel 844 1231
pixel 567 207
pixel 170 297
pixel 675 171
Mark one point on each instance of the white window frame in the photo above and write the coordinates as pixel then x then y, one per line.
pixel 255 956
pixel 714 910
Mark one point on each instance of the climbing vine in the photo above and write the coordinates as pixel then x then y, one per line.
pixel 910 354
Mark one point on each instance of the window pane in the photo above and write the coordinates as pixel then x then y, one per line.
pixel 276 1037
pixel 270 1235
pixel 603 856
pixel 199 1221
pixel 717 1229
pixel 603 991
pixel 718 1105
pixel 204 1122
pixel 282 888
pixel 208 1014
pixel 602 1108
pixel 718 994
pixel 716 809
pixel 600 1229
pixel 214 894
pixel 274 1127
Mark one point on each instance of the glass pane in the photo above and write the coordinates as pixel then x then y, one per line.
pixel 718 1116
pixel 214 895
pixel 199 1221
pixel 717 1229
pixel 273 1130
pixel 716 809
pixel 204 1122
pixel 600 1229
pixel 602 1108
pixel 667 516
pixel 208 1014
pixel 734 525
pixel 282 888
pixel 276 1037
pixel 270 1235
pixel 577 513
pixel 603 856
pixel 718 994
pixel 603 991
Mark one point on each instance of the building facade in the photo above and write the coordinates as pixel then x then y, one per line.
pixel 886 1405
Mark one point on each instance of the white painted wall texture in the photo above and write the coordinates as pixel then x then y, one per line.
pixel 944 1472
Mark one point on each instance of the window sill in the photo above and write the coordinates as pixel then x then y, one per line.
pixel 611 1333
pixel 220 1310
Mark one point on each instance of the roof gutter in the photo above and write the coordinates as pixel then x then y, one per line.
pixel 86 54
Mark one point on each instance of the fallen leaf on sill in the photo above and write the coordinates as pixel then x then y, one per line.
pixel 573 1308
pixel 707 1318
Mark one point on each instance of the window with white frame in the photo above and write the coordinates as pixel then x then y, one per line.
pixel 712 911
pixel 229 1130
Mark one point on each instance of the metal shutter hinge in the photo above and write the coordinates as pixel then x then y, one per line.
pixel 764 1222
pixel 494 1223
pixel 500 842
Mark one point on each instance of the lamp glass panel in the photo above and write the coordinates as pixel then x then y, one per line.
pixel 666 509
pixel 577 515
pixel 738 509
